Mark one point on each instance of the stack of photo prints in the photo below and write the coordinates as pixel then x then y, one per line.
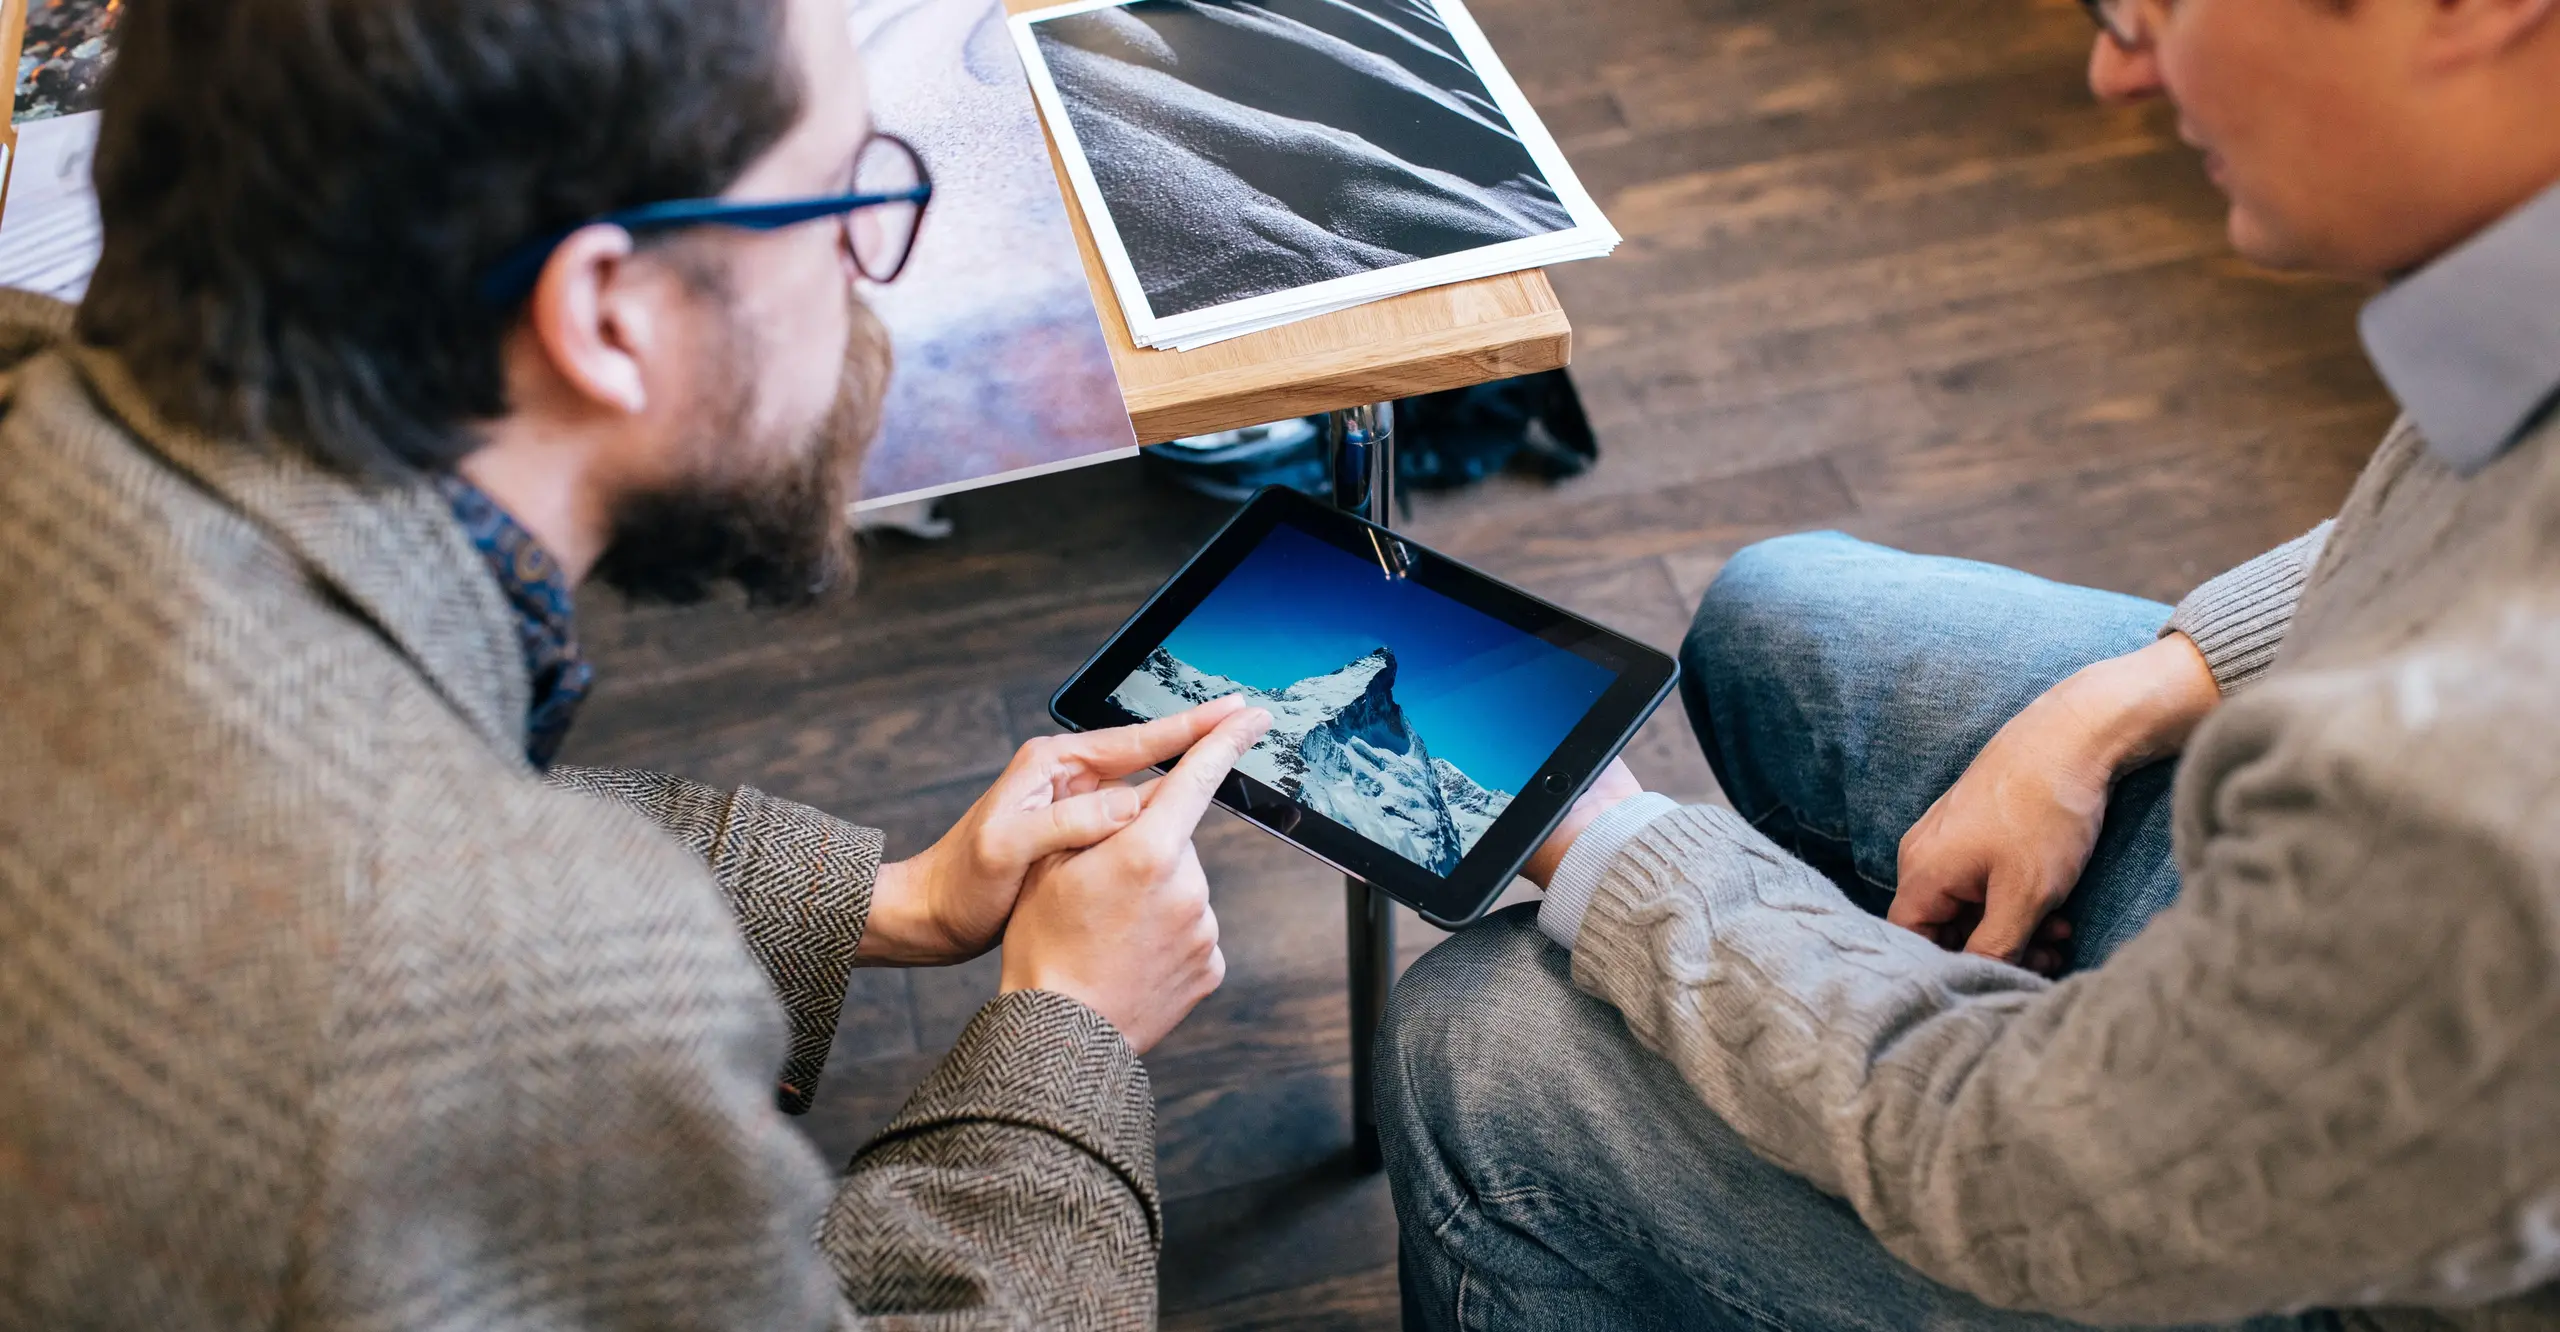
pixel 1249 163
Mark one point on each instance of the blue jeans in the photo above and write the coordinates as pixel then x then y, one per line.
pixel 1549 1172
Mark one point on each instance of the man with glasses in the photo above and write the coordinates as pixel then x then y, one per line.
pixel 2290 850
pixel 319 1005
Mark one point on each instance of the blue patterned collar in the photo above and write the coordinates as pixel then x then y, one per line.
pixel 544 610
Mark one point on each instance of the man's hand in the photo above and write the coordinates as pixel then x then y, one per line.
pixel 1125 927
pixel 1061 793
pixel 1615 784
pixel 1991 860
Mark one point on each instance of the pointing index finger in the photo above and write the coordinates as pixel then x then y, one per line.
pixel 1184 794
pixel 1122 750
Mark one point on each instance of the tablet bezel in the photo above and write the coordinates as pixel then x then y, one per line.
pixel 1644 679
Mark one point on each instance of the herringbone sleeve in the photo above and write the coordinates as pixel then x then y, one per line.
pixel 1008 1137
pixel 799 881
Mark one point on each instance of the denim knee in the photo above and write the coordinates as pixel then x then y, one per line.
pixel 1743 644
pixel 1449 1054
pixel 1759 596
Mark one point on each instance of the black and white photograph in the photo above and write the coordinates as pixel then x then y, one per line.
pixel 1244 148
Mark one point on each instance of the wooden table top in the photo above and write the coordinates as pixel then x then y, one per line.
pixel 1444 338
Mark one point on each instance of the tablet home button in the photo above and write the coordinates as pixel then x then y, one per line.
pixel 1557 783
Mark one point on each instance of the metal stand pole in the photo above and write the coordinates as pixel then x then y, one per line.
pixel 1363 449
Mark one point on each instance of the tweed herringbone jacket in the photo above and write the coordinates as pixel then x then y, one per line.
pixel 318 1008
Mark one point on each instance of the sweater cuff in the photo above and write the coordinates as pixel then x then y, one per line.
pixel 1704 850
pixel 2238 620
pixel 800 883
pixel 1037 1059
pixel 1577 879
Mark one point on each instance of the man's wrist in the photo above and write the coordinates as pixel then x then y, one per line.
pixel 899 931
pixel 1576 880
pixel 2142 706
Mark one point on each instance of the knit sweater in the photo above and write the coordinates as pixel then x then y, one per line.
pixel 2328 1077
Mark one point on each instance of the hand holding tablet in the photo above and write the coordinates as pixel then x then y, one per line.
pixel 1614 784
pixel 1430 725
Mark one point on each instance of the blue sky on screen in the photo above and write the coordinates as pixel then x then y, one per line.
pixel 1486 697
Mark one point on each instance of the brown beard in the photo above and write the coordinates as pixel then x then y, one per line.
pixel 778 533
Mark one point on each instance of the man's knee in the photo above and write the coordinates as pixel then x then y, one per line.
pixel 1760 598
pixel 1758 629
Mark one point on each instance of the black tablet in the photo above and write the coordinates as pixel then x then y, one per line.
pixel 1431 725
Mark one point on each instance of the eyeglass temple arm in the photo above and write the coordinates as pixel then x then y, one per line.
pixel 513 274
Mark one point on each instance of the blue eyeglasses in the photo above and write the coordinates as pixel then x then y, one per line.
pixel 881 219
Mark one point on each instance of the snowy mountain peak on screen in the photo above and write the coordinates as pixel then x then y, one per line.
pixel 1341 746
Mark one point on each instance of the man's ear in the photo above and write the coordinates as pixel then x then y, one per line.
pixel 2461 33
pixel 593 322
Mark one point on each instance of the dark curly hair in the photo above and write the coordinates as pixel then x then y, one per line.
pixel 299 196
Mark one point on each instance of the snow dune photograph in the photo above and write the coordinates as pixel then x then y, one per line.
pixel 1247 147
pixel 1397 713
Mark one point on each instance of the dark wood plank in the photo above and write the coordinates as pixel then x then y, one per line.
pixel 2155 522
pixel 1360 1300
pixel 1816 59
pixel 1571 43
pixel 1639 524
pixel 1285 1234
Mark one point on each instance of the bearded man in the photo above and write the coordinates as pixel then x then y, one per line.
pixel 319 1005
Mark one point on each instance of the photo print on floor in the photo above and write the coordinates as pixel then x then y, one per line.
pixel 1002 368
pixel 1245 149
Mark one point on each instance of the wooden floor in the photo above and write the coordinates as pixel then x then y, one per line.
pixel 1887 269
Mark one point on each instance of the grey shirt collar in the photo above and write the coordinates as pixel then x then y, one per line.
pixel 2470 344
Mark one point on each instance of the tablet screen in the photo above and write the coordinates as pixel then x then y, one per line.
pixel 1398 712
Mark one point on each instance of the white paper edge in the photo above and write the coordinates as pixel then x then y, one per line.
pixel 1297 303
pixel 1227 334
pixel 1259 325
pixel 1490 267
pixel 1485 264
pixel 1217 323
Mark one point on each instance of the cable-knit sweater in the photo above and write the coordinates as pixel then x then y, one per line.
pixel 2328 1077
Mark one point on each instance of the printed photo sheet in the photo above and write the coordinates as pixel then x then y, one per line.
pixel 1249 163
